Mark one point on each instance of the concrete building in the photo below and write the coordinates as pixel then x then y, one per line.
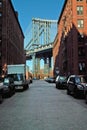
pixel 11 37
pixel 70 44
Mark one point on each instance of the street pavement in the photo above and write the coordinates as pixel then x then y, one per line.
pixel 43 107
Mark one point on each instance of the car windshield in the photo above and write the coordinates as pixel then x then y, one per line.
pixel 18 77
pixel 78 80
pixel 6 81
pixel 62 78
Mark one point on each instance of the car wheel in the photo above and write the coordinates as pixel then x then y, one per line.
pixel 75 94
pixel 1 98
pixel 14 91
pixel 56 86
pixel 68 92
pixel 27 86
pixel 86 98
pixel 10 94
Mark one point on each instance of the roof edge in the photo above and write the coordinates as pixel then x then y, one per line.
pixel 62 10
pixel 14 11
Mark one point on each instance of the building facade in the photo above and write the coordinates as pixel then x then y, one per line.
pixel 70 44
pixel 11 37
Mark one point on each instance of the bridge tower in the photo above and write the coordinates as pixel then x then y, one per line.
pixel 43 33
pixel 41 29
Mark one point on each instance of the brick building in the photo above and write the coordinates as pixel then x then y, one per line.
pixel 70 44
pixel 11 37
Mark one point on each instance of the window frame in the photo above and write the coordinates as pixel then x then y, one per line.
pixel 80 24
pixel 79 0
pixel 79 10
pixel 0 14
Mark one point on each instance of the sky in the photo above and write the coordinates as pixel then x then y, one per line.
pixel 43 9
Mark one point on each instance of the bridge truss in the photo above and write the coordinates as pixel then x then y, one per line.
pixel 41 41
pixel 43 32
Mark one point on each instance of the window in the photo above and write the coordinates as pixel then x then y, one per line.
pixel 72 79
pixel 82 67
pixel 79 10
pixel 80 37
pixel 81 51
pixel 0 69
pixel 79 0
pixel 0 40
pixel 78 80
pixel 0 4
pixel 0 55
pixel 0 14
pixel 80 23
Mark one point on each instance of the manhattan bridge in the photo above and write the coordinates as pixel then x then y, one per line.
pixel 39 43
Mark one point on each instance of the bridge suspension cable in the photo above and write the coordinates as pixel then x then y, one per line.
pixel 42 32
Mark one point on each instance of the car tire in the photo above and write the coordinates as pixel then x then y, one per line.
pixel 68 92
pixel 1 98
pixel 75 93
pixel 10 94
pixel 86 98
pixel 56 86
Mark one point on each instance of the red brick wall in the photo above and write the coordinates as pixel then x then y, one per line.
pixel 65 50
pixel 12 36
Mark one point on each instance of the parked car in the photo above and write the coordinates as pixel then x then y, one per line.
pixel 85 91
pixel 85 94
pixel 1 93
pixel 76 85
pixel 61 82
pixel 1 89
pixel 8 86
pixel 50 79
